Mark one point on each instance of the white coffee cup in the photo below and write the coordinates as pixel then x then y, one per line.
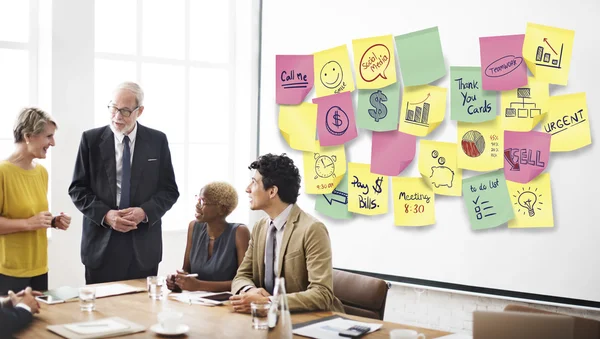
pixel 406 334
pixel 170 321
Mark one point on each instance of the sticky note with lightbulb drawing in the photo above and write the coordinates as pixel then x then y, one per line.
pixel 333 71
pixel 368 193
pixel 532 203
pixel 437 165
pixel 486 200
pixel 324 168
pixel 526 155
pixel 374 62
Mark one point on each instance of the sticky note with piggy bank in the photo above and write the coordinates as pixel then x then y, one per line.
pixel 437 165
pixel 374 62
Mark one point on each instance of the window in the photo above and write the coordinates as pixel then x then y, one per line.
pixel 181 53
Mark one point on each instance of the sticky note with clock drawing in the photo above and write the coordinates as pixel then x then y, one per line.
pixel 324 168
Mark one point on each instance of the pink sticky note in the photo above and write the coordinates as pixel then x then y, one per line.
pixel 392 152
pixel 336 123
pixel 502 65
pixel 294 78
pixel 526 155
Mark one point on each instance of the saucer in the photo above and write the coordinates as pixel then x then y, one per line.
pixel 181 329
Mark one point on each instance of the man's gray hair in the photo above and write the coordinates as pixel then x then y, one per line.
pixel 134 88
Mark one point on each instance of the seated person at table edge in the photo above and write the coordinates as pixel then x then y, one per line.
pixel 215 248
pixel 16 311
pixel 287 243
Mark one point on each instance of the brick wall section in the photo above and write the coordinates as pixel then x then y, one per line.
pixel 452 312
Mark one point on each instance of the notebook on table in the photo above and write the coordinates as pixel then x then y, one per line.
pixel 103 328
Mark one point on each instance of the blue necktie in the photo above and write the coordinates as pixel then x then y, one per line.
pixel 125 175
pixel 270 258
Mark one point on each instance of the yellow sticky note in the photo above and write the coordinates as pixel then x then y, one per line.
pixel 532 203
pixel 324 168
pixel 298 125
pixel 481 145
pixel 568 122
pixel 367 192
pixel 547 51
pixel 333 71
pixel 423 109
pixel 524 107
pixel 374 62
pixel 437 165
pixel 414 202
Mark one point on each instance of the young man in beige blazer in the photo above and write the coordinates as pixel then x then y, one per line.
pixel 288 243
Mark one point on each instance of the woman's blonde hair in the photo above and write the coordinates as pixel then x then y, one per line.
pixel 31 121
pixel 221 193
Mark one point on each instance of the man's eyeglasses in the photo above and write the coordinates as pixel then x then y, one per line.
pixel 124 111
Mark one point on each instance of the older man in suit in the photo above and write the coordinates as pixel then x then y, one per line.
pixel 123 183
pixel 288 243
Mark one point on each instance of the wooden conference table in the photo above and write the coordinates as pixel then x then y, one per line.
pixel 204 322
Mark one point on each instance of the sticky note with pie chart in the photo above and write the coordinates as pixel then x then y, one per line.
pixel 368 193
pixel 502 66
pixel 486 200
pixel 532 203
pixel 333 71
pixel 568 122
pixel 335 204
pixel 374 62
pixel 298 125
pixel 414 202
pixel 523 108
pixel 547 51
pixel 526 155
pixel 422 110
pixel 294 78
pixel 481 145
pixel 437 165
pixel 336 123
pixel 324 168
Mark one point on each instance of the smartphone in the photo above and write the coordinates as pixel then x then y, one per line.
pixel 218 296
pixel 356 331
pixel 48 299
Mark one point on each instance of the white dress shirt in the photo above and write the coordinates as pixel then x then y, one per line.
pixel 279 223
pixel 119 154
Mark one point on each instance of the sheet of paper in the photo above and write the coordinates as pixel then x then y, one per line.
pixel 392 152
pixel 367 192
pixel 481 145
pixel 294 78
pixel 336 123
pixel 547 51
pixel 568 122
pixel 335 204
pixel 330 329
pixel 194 298
pixel 97 327
pixel 374 62
pixel 423 109
pixel 438 167
pixel 469 102
pixel 502 65
pixel 532 203
pixel 526 155
pixel 333 71
pixel 324 168
pixel 414 202
pixel 421 57
pixel 298 125
pixel 486 200
pixel 378 109
pixel 523 108
pixel 116 289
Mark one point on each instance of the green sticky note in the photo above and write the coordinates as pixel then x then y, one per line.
pixel 487 200
pixel 421 58
pixel 470 103
pixel 378 109
pixel 335 204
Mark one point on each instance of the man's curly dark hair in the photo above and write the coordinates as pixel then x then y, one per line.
pixel 280 171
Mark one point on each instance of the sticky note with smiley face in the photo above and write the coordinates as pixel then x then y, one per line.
pixel 374 62
pixel 333 71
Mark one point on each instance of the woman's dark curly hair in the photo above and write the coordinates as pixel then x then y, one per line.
pixel 280 171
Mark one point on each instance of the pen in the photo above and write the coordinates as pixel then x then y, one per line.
pixel 193 275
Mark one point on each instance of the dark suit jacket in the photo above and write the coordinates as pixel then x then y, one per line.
pixel 94 192
pixel 12 320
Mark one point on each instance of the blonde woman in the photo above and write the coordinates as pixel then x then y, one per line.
pixel 24 215
pixel 215 248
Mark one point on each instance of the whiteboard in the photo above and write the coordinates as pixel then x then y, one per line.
pixel 560 262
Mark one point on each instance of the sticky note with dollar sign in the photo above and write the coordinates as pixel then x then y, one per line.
pixel 377 109
pixel 367 192
pixel 336 124
pixel 374 62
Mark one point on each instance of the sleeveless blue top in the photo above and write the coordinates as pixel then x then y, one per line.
pixel 223 264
